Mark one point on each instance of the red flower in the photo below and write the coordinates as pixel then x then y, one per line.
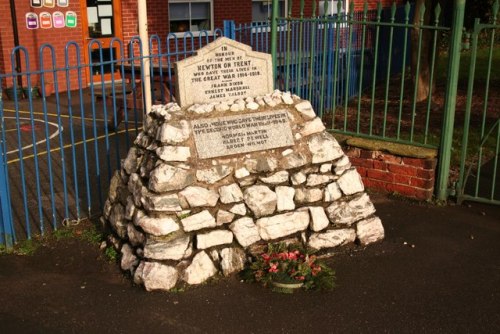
pixel 273 268
pixel 266 257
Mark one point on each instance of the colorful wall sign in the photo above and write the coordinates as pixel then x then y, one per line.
pixel 45 20
pixel 36 3
pixel 58 20
pixel 70 19
pixel 31 21
pixel 49 3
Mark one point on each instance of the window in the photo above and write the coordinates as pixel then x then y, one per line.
pixel 332 7
pixel 193 15
pixel 261 10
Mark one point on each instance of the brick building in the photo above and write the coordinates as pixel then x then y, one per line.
pixel 57 22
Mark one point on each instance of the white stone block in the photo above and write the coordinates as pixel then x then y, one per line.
pixel 314 126
pixel 199 196
pixel 314 180
pixel 224 217
pixel 230 194
pixel 214 174
pixel 158 226
pixel 173 153
pixel 128 259
pixel 332 192
pixel 324 148
pixel 282 225
pixel 332 238
pixel 198 221
pixel 285 198
pixel 239 209
pixel 156 276
pixel 167 178
pixel 232 260
pixel 370 230
pixel 241 173
pixel 319 220
pixel 213 238
pixel 347 213
pixel 276 178
pixel 201 269
pixel 245 231
pixel 261 200
pixel 171 134
pixel 306 110
pixel 350 182
pixel 162 203
pixel 175 249
pixel 298 178
pixel 308 195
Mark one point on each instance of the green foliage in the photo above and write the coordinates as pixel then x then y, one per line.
pixel 289 264
pixel 92 235
pixel 27 247
pixel 184 215
pixel 4 250
pixel 63 233
pixel 111 254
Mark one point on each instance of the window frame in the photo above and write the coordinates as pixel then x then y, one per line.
pixel 270 5
pixel 195 33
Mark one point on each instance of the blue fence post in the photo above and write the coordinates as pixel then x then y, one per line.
pixel 6 228
pixel 229 29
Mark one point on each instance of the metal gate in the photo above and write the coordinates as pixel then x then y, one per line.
pixel 479 178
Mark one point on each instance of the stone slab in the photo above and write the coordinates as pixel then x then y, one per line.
pixel 222 136
pixel 223 70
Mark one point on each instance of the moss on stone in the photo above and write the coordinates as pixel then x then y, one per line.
pixel 393 148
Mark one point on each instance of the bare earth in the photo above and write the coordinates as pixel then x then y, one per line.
pixel 448 282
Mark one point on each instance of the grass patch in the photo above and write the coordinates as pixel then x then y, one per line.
pixel 92 235
pixel 63 233
pixel 111 254
pixel 482 59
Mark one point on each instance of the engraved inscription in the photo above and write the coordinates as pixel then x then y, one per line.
pixel 223 70
pixel 215 137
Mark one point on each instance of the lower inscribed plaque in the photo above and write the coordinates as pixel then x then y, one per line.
pixel 221 136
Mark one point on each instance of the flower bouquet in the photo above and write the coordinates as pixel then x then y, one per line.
pixel 288 267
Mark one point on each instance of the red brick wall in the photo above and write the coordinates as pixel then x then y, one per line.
pixel 33 39
pixel 238 10
pixel 409 177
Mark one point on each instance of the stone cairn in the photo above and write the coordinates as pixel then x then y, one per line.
pixel 179 218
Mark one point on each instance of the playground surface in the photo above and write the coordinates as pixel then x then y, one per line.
pixel 438 270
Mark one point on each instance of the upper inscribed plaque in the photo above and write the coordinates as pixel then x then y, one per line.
pixel 223 70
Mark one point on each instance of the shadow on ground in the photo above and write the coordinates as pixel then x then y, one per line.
pixel 438 270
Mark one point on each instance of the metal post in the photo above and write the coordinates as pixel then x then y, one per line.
pixel 143 34
pixel 274 36
pixel 6 228
pixel 450 100
pixel 229 29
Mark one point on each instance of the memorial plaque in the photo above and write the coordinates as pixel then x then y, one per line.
pixel 223 70
pixel 221 136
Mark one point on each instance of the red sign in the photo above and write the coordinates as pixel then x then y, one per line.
pixel 45 20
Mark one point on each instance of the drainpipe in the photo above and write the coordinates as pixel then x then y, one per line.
pixel 145 61
pixel 16 41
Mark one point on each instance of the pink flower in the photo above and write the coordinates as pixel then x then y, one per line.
pixel 273 268
pixel 300 278
pixel 266 257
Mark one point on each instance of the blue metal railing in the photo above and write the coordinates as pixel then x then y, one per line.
pixel 59 151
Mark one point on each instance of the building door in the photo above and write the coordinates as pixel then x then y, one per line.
pixel 101 20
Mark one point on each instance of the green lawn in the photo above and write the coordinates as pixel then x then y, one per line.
pixel 482 60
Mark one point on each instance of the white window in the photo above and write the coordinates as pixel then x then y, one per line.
pixel 262 9
pixel 332 7
pixel 190 15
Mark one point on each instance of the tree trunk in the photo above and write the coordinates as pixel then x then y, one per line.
pixel 422 78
